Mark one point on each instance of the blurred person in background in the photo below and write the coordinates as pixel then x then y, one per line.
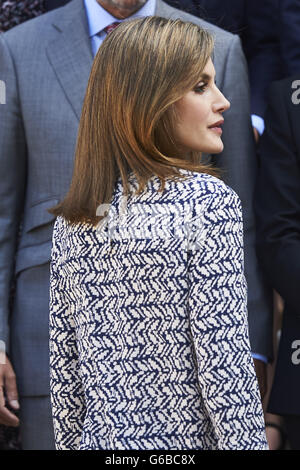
pixel 277 203
pixel 15 12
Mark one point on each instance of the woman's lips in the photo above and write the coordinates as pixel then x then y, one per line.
pixel 218 130
pixel 216 126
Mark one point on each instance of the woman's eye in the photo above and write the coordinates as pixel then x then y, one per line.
pixel 201 88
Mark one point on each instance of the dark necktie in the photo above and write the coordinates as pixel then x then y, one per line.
pixel 111 27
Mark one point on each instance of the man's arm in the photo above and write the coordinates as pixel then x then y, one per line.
pixel 12 187
pixel 262 49
pixel 289 34
pixel 277 199
pixel 13 180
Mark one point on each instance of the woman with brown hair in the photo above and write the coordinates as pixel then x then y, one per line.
pixel 149 345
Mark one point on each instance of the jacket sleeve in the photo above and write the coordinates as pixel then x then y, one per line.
pixel 238 163
pixel 277 198
pixel 261 43
pixel 219 326
pixel 289 33
pixel 66 387
pixel 13 170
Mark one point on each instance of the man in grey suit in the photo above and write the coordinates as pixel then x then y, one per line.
pixel 45 64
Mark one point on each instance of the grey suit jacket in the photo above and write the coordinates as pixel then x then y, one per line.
pixel 45 64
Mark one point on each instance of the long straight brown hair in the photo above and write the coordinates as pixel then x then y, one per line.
pixel 128 119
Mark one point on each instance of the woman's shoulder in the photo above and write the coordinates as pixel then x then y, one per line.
pixel 206 186
pixel 192 185
pixel 194 191
pixel 199 190
pixel 63 228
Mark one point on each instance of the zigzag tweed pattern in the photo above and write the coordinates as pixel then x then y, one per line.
pixel 149 345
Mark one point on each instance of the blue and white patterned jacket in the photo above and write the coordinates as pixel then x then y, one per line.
pixel 149 345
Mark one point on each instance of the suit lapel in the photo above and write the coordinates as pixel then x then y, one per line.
pixel 70 54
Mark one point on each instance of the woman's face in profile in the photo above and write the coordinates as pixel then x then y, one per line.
pixel 199 110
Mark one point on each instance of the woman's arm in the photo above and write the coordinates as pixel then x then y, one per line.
pixel 219 325
pixel 66 390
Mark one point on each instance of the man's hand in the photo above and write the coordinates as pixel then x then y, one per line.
pixel 8 385
pixel 261 373
pixel 256 135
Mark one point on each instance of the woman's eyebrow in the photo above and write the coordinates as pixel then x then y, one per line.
pixel 205 76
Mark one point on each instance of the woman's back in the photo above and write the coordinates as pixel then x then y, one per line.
pixel 149 340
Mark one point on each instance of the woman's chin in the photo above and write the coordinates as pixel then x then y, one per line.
pixel 212 149
pixel 219 149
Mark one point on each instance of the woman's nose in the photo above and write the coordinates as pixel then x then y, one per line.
pixel 221 104
pixel 226 104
